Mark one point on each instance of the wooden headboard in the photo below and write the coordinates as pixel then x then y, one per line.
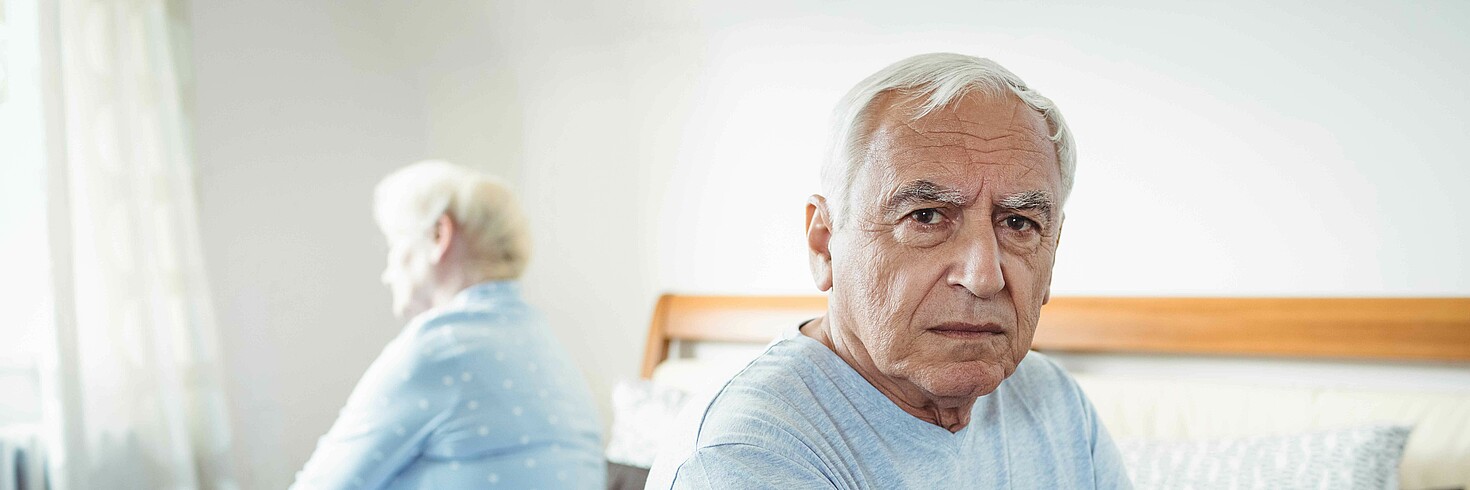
pixel 1430 329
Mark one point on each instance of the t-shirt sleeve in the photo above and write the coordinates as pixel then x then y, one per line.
pixel 747 466
pixel 398 403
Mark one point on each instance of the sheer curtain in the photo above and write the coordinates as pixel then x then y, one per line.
pixel 131 379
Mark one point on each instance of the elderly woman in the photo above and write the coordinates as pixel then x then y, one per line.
pixel 474 392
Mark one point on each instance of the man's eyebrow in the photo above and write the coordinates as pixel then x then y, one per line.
pixel 1037 200
pixel 918 191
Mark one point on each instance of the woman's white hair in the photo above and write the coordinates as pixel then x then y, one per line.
pixel 940 79
pixel 409 201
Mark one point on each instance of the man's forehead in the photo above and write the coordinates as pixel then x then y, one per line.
pixel 975 116
pixel 988 141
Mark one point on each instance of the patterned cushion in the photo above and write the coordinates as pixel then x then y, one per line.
pixel 642 412
pixel 1353 458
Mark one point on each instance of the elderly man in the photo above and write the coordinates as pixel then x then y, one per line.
pixel 474 392
pixel 935 240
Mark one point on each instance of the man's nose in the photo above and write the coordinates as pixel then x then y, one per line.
pixel 976 265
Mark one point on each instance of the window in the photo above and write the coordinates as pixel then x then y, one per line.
pixel 25 286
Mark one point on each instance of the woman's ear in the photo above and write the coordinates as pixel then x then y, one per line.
pixel 818 241
pixel 445 232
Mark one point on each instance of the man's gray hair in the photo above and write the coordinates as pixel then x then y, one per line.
pixel 409 201
pixel 940 79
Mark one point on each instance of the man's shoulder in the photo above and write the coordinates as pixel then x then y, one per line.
pixel 773 395
pixel 777 385
pixel 772 404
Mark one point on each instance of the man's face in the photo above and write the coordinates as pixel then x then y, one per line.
pixel 944 256
pixel 408 276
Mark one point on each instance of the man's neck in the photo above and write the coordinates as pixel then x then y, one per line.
pixel 952 415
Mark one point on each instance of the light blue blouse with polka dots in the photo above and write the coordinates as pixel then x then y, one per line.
pixel 473 394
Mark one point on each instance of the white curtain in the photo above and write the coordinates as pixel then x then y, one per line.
pixel 131 384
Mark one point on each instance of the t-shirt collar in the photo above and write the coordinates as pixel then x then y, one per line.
pixel 489 290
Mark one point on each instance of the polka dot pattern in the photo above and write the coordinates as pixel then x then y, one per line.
pixel 463 387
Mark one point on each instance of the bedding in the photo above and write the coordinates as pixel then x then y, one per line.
pixel 642 411
pixel 1361 458
pixel 1436 454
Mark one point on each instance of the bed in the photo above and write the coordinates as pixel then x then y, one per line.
pixel 1181 383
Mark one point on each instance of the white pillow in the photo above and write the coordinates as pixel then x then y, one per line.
pixel 643 414
pixel 1352 458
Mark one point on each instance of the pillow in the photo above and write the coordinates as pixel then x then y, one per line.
pixel 642 415
pixel 1352 458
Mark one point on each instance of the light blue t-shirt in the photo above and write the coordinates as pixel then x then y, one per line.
pixel 799 417
pixel 473 394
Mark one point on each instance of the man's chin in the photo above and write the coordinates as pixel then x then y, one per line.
pixel 965 380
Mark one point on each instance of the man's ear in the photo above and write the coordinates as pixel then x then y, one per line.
pixel 818 240
pixel 1061 224
pixel 445 232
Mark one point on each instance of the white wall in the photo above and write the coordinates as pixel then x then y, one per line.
pixel 1238 149
pixel 299 108
pixel 1230 149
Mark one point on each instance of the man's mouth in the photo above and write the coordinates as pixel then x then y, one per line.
pixel 961 330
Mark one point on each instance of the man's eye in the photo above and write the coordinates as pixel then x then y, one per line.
pixel 928 216
pixel 1019 224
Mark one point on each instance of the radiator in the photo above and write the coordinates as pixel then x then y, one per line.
pixel 22 464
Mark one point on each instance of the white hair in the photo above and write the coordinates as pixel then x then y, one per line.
pixel 408 202
pixel 940 79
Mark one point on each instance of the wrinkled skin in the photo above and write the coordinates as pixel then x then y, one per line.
pixel 938 270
